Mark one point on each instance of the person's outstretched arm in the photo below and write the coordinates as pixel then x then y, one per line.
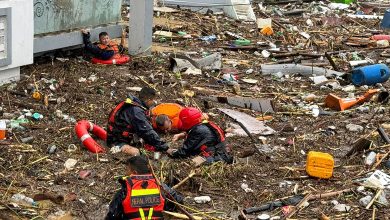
pixel 144 129
pixel 190 145
pixel 95 50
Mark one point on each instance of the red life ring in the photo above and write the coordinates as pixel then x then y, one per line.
pixel 121 60
pixel 82 130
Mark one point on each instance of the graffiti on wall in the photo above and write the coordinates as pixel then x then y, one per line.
pixel 43 6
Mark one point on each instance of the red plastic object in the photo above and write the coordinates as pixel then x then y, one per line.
pixel 83 174
pixel 149 148
pixel 381 37
pixel 82 130
pixel 121 60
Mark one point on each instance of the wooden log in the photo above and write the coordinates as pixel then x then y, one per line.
pixel 169 196
pixel 378 193
pixel 330 194
pixel 298 206
pixel 192 173
pixel 181 216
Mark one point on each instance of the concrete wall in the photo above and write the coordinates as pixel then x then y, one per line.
pixel 63 15
pixel 22 34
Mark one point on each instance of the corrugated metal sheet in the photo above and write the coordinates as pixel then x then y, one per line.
pixel 63 15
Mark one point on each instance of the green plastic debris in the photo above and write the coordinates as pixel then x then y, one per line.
pixel 182 33
pixel 242 42
pixel 178 75
pixel 16 124
pixel 344 1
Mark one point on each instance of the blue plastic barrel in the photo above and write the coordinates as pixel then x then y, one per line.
pixel 370 75
pixel 386 20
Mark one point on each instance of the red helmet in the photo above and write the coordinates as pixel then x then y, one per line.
pixel 190 117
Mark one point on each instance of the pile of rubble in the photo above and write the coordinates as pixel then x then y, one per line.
pixel 302 77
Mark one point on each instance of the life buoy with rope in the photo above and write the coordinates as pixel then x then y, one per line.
pixel 121 60
pixel 82 130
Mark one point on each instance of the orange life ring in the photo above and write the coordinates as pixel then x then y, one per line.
pixel 82 130
pixel 121 60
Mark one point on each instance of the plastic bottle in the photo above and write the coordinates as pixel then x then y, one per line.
pixel 370 159
pixel 3 128
pixel 242 42
pixel 20 198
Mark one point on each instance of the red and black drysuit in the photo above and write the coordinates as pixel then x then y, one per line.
pixel 128 119
pixel 206 139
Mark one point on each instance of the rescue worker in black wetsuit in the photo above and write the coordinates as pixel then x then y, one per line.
pixel 129 121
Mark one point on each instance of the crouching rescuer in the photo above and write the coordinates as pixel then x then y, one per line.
pixel 129 121
pixel 140 197
pixel 202 138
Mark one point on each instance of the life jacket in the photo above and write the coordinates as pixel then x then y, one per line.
pixel 208 151
pixel 143 200
pixel 118 129
pixel 111 46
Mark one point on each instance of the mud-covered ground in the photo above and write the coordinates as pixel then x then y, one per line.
pixel 30 169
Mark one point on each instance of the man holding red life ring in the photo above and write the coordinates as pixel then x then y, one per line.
pixel 130 120
pixel 140 196
pixel 202 138
pixel 106 48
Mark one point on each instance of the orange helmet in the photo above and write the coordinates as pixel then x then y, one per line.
pixel 190 117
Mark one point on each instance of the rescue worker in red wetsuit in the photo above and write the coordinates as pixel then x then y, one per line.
pixel 106 48
pixel 129 121
pixel 140 197
pixel 202 138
